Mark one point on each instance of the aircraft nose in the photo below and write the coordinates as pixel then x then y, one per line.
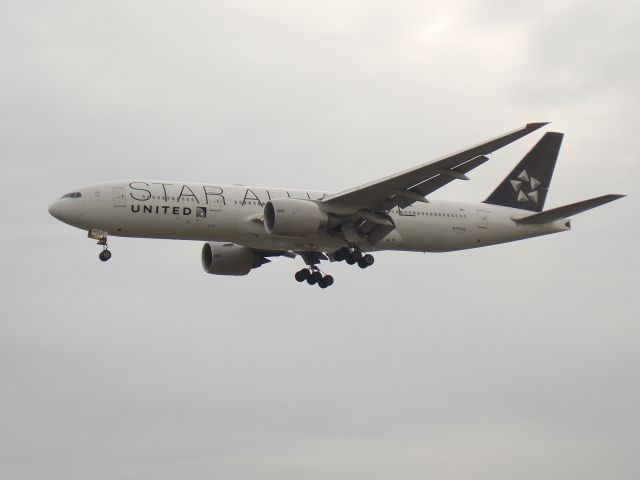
pixel 67 210
pixel 55 210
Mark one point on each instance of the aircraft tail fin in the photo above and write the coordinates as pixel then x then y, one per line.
pixel 527 185
pixel 561 213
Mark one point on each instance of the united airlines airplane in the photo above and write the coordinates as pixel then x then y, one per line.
pixel 244 226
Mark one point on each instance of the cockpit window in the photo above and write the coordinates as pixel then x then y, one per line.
pixel 72 195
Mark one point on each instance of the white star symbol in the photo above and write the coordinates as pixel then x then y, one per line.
pixel 526 182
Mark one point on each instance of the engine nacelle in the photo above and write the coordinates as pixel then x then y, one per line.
pixel 293 217
pixel 222 258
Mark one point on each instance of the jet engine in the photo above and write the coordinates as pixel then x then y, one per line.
pixel 223 258
pixel 294 217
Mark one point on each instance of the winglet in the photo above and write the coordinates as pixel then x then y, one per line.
pixel 504 140
pixel 537 125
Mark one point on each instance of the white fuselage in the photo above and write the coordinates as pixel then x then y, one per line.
pixel 234 213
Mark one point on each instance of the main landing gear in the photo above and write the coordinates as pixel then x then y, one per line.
pixel 353 256
pixel 313 276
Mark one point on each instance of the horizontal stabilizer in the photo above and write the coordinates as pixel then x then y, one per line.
pixel 561 213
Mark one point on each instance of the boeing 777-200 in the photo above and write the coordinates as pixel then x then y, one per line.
pixel 244 226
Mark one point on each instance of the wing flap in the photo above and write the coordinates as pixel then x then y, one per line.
pixel 436 182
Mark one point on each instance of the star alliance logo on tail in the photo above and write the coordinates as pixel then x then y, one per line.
pixel 526 187
pixel 201 212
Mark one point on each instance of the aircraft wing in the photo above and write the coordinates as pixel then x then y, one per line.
pixel 407 187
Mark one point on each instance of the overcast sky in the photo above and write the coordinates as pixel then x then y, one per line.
pixel 514 361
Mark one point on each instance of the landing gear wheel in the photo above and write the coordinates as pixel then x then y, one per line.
pixel 302 275
pixel 350 260
pixel 104 255
pixel 341 254
pixel 366 261
pixel 326 281
pixel 311 280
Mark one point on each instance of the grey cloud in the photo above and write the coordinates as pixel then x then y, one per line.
pixel 512 361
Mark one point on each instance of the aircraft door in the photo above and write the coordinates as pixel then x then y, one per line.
pixel 216 203
pixel 483 219
pixel 119 198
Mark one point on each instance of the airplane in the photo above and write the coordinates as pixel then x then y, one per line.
pixel 244 226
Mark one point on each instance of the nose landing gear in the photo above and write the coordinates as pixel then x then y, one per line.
pixel 101 237
pixel 105 254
